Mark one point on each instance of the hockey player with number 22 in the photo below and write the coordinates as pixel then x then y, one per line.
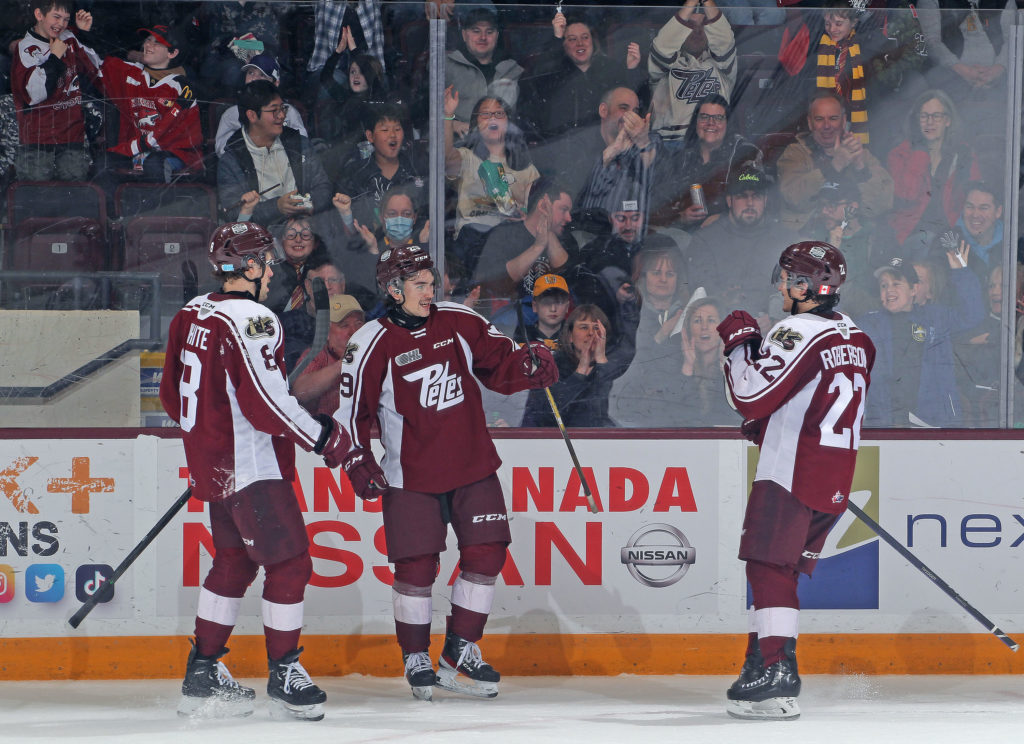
pixel 417 372
pixel 224 383
pixel 801 392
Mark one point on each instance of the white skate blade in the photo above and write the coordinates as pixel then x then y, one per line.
pixel 422 692
pixel 214 707
pixel 282 711
pixel 451 680
pixel 772 709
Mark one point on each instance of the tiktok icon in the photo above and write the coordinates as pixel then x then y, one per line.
pixel 89 578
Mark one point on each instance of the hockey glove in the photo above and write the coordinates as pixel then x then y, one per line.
pixel 364 474
pixel 753 430
pixel 545 372
pixel 739 328
pixel 334 441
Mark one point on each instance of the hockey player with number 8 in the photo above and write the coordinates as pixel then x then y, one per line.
pixel 802 392
pixel 224 383
pixel 417 373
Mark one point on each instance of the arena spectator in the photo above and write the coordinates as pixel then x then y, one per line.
pixel 341 24
pixel 841 64
pixel 930 170
pixel 730 257
pixel 222 22
pixel 649 393
pixel 478 69
pixel 571 77
pixel 829 152
pixel 551 304
pixel 260 67
pixel 702 392
pixel 391 164
pixel 299 243
pixel 588 363
pixel 519 252
pixel 913 382
pixel 494 173
pixel 981 225
pixel 46 69
pixel 159 133
pixel 318 386
pixel 298 324
pixel 269 172
pixel 693 55
pixel 710 153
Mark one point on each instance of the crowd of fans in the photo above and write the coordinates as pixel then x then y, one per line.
pixel 624 177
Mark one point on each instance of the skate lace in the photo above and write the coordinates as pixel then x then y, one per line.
pixel 418 662
pixel 296 677
pixel 470 656
pixel 224 678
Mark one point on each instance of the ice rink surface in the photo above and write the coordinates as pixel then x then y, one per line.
pixel 529 710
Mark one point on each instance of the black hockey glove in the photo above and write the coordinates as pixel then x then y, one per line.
pixel 739 328
pixel 334 441
pixel 364 474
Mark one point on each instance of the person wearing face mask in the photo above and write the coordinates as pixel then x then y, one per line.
pixel 914 381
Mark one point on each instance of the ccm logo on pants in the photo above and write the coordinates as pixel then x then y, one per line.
pixel 489 518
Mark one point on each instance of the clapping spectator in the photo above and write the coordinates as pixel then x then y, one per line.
pixel 930 170
pixel 260 67
pixel 268 171
pixel 572 76
pixel 588 363
pixel 703 386
pixel 478 69
pixel 709 155
pixel 493 169
pixel 913 382
pixel 693 56
pixel 45 72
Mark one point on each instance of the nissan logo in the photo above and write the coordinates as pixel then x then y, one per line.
pixel 658 545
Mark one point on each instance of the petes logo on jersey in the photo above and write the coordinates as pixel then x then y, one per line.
pixel 787 338
pixel 438 388
pixel 259 327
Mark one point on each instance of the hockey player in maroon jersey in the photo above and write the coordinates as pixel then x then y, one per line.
pixel 417 372
pixel 224 383
pixel 802 393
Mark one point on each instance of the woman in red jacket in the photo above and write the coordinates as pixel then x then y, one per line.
pixel 929 170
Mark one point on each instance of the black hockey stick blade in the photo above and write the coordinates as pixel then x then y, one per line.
pixel 936 579
pixel 107 587
pixel 591 504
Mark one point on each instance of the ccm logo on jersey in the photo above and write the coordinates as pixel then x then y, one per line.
pixel 489 518
pixel 447 341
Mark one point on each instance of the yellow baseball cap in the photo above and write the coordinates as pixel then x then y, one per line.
pixel 546 282
pixel 342 305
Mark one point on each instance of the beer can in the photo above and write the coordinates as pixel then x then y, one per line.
pixel 697 196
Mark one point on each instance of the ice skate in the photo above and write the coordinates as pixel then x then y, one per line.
pixel 419 672
pixel 292 693
pixel 461 669
pixel 753 667
pixel 770 696
pixel 209 691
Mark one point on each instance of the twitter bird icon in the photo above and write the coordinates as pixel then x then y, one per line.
pixel 44 582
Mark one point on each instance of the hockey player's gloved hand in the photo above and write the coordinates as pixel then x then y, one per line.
pixel 334 441
pixel 753 430
pixel 364 474
pixel 738 328
pixel 545 373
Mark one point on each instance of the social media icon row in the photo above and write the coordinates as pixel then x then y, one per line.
pixel 44 582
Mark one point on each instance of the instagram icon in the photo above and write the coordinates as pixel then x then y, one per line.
pixel 6 583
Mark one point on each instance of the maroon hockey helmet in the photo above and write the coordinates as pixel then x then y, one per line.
pixel 233 244
pixel 820 265
pixel 399 263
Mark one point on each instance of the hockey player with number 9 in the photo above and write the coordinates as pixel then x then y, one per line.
pixel 224 383
pixel 417 372
pixel 802 392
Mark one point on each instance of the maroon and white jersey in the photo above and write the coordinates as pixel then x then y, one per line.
pixel 47 92
pixel 810 383
pixel 158 110
pixel 224 383
pixel 423 387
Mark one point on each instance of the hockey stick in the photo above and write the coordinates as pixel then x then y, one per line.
pixel 106 589
pixel 920 566
pixel 558 416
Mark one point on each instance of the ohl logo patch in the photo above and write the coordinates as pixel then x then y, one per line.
pixel 846 576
